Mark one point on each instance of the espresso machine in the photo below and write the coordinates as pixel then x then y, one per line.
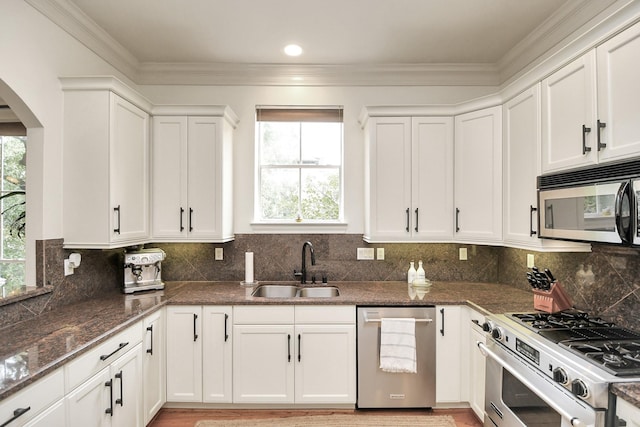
pixel 142 270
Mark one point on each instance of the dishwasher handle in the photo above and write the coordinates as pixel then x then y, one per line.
pixel 378 320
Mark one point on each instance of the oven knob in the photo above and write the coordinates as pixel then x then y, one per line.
pixel 579 388
pixel 497 333
pixel 486 326
pixel 560 376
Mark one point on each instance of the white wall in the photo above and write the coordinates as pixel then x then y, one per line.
pixel 243 100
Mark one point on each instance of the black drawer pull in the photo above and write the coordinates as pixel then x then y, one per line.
pixel 109 410
pixel 601 145
pixel 585 131
pixel 407 212
pixel 121 400
pixel 226 335
pixel 195 331
pixel 299 349
pixel 150 349
pixel 117 210
pixel 442 314
pixel 16 414
pixel 181 215
pixel 532 210
pixel 120 347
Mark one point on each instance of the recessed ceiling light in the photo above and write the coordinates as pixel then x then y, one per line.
pixel 293 50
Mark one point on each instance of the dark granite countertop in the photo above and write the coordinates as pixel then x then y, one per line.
pixel 627 391
pixel 36 347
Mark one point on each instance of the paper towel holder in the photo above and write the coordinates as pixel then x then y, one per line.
pixel 72 263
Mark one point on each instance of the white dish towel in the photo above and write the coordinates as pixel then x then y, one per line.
pixel 398 345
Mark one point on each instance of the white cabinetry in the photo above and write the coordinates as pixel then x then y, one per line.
pixel 106 158
pixel 478 176
pixel 450 369
pixel 627 412
pixel 199 349
pixel 287 354
pixel 590 106
pixel 154 366
pixel 477 369
pixel 405 156
pixel 192 178
pixel 36 400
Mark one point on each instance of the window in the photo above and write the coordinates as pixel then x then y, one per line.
pixel 13 166
pixel 299 177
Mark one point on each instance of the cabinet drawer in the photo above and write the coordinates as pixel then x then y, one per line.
pixel 37 397
pixel 78 370
pixel 263 315
pixel 325 314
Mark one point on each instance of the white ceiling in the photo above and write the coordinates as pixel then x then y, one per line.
pixel 152 39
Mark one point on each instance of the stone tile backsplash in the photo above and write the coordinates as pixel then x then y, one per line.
pixel 605 282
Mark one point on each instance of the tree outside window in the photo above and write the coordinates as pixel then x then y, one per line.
pixel 300 164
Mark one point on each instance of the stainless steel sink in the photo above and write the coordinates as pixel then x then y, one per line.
pixel 319 292
pixel 293 291
pixel 275 291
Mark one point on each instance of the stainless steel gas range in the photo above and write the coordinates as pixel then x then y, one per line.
pixel 555 369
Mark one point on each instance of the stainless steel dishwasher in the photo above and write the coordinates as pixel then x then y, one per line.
pixel 379 389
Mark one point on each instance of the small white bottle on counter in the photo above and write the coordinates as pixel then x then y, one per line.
pixel 411 276
pixel 420 272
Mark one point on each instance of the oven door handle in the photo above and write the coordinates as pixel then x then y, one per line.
pixel 489 353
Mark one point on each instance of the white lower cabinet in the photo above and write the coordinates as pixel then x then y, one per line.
pixel 294 354
pixel 450 369
pixel 153 364
pixel 477 363
pixel 112 397
pixel 627 412
pixel 199 349
pixel 54 416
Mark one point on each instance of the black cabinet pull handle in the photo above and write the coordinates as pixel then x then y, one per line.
pixel 226 335
pixel 299 349
pixel 16 414
pixel 150 349
pixel 121 400
pixel 181 215
pixel 407 212
pixel 289 347
pixel 532 232
pixel 117 210
pixel 601 125
pixel 457 220
pixel 190 219
pixel 416 220
pixel 195 332
pixel 585 131
pixel 109 410
pixel 442 314
pixel 120 347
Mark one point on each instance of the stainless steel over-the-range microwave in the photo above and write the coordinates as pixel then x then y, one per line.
pixel 593 204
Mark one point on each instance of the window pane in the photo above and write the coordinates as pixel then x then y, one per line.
pixel 321 143
pixel 321 194
pixel 279 143
pixel 14 275
pixel 279 195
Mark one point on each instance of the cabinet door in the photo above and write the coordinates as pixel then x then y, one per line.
pixel 154 366
pixel 126 374
pixel 217 354
pixel 204 178
pixel 129 170
pixel 184 354
pixel 432 178
pixel 54 416
pixel 478 175
pixel 448 354
pixel 263 364
pixel 389 179
pixel 325 369
pixel 618 89
pixel 90 404
pixel 476 364
pixel 169 182
pixel 522 136
pixel 627 412
pixel 568 104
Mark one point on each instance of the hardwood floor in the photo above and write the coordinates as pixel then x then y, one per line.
pixel 188 417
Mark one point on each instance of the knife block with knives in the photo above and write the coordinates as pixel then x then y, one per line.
pixel 548 295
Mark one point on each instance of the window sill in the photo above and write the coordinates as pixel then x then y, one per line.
pixel 291 227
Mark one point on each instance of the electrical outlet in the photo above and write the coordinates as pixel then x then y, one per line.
pixel 219 254
pixel 530 261
pixel 380 254
pixel 364 254
pixel 462 254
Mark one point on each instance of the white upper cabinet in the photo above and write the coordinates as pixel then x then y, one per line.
pixel 618 94
pixel 409 178
pixel 192 177
pixel 478 176
pixel 590 106
pixel 106 174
